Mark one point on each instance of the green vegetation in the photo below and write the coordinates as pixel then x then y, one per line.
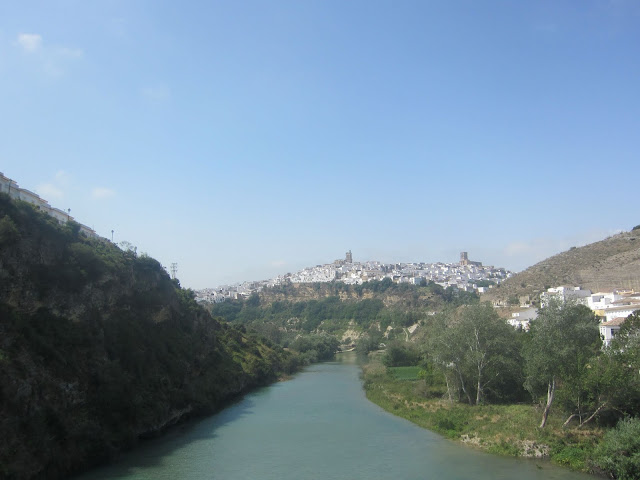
pixel 378 311
pixel 478 353
pixel 467 383
pixel 505 429
pixel 561 344
pixel 406 373
pixel 99 348
pixel 401 355
pixel 315 347
pixel 466 373
pixel 619 453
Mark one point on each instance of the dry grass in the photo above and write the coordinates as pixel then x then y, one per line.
pixel 610 263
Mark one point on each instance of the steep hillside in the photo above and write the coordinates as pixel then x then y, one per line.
pixel 99 348
pixel 610 263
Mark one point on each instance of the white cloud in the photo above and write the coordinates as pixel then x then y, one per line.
pixel 29 42
pixel 49 190
pixel 278 263
pixel 102 192
pixel 157 93
pixel 54 188
pixel 53 60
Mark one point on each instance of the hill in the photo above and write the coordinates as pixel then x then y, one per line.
pixel 99 348
pixel 610 263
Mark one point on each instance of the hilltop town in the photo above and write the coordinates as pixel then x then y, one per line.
pixel 611 305
pixel 464 275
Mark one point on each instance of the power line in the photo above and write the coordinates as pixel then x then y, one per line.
pixel 174 270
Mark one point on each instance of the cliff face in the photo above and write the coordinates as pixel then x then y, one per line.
pixel 391 295
pixel 99 347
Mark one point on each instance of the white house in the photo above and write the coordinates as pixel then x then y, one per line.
pixel 601 300
pixel 521 318
pixel 608 330
pixel 8 186
pixel 33 198
pixel 622 311
pixel 87 232
pixel 565 293
pixel 11 188
pixel 59 215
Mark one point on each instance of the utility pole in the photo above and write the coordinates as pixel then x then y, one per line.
pixel 174 270
pixel 111 236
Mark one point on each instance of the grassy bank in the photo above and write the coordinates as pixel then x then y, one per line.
pixel 501 429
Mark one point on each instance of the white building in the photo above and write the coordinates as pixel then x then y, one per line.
pixel 609 329
pixel 521 318
pixel 33 198
pixel 564 293
pixel 59 215
pixel 622 311
pixel 11 188
pixel 602 300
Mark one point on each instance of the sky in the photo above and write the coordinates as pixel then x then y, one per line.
pixel 242 140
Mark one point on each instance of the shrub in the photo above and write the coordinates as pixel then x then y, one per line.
pixel 8 231
pixel 571 456
pixel 400 356
pixel 619 453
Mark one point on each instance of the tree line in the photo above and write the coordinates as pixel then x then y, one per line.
pixel 471 355
pixel 560 362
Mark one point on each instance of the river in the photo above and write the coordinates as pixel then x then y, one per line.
pixel 319 425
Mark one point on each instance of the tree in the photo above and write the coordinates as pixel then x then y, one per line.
pixel 253 300
pixel 479 348
pixel 323 346
pixel 400 355
pixel 368 342
pixel 627 341
pixel 128 248
pixel 561 341
pixel 608 384
pixel 9 233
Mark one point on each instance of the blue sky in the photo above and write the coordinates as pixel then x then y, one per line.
pixel 246 139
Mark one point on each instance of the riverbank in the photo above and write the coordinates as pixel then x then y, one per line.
pixel 500 429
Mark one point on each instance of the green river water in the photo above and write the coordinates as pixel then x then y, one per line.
pixel 319 425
